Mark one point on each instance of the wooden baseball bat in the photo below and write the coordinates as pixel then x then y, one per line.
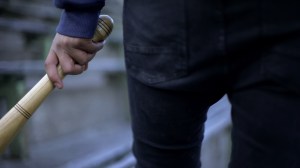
pixel 16 117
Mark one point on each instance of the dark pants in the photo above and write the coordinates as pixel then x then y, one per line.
pixel 184 55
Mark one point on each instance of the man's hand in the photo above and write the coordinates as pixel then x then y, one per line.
pixel 72 54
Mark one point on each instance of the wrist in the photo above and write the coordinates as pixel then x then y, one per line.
pixel 78 24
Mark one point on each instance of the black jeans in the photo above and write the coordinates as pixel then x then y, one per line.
pixel 184 55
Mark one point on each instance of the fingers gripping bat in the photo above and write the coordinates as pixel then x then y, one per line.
pixel 16 117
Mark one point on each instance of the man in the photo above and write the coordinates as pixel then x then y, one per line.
pixel 184 55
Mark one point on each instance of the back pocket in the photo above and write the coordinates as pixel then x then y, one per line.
pixel 153 65
pixel 155 40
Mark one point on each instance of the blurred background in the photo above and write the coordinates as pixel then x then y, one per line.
pixel 87 124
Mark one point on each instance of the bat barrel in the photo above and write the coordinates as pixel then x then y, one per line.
pixel 14 120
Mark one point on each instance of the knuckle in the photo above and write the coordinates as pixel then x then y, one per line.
pixel 67 68
pixel 62 44
pixel 84 58
pixel 47 64
pixel 79 42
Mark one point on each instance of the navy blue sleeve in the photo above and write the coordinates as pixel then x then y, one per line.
pixel 79 17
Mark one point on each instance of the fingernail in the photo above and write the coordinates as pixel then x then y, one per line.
pixel 58 86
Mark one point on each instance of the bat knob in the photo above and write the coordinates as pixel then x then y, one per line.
pixel 104 28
